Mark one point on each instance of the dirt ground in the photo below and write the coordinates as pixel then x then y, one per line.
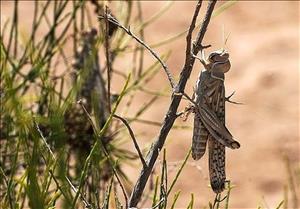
pixel 264 50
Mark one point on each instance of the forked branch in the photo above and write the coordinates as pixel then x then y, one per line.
pixel 171 116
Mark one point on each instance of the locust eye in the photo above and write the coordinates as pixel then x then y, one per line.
pixel 219 56
pixel 212 55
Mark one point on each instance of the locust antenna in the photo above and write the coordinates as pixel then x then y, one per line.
pixel 223 36
pixel 227 37
pixel 224 39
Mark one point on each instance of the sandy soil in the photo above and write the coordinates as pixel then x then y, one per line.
pixel 264 50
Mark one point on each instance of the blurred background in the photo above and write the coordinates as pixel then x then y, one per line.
pixel 263 42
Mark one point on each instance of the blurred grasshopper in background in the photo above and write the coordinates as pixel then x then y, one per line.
pixel 209 120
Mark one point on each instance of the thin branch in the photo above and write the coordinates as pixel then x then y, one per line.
pixel 7 188
pixel 127 30
pixel 108 62
pixel 140 16
pixel 189 98
pixel 106 153
pixel 197 46
pixel 85 202
pixel 133 139
pixel 59 187
pixel 154 123
pixel 178 172
pixel 187 109
pixel 200 59
pixel 158 204
pixel 171 116
pixel 148 122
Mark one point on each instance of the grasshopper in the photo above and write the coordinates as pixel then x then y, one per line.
pixel 209 120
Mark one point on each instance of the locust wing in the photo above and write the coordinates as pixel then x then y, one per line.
pixel 216 128
pixel 200 136
pixel 212 113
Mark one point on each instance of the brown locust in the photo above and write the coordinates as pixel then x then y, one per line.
pixel 209 120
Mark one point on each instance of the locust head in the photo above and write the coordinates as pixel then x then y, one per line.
pixel 218 62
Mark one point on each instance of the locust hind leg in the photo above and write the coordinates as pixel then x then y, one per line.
pixel 216 165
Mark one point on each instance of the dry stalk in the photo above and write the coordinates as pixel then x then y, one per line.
pixel 113 20
pixel 171 115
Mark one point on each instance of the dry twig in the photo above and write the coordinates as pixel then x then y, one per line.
pixel 106 154
pixel 171 116
pixel 133 139
pixel 87 205
pixel 107 54
pixel 128 31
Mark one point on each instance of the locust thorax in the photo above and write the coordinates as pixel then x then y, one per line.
pixel 218 62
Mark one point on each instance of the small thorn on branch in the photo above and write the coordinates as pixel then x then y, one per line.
pixel 205 46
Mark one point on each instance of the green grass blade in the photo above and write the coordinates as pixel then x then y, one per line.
pixel 154 199
pixel 280 204
pixel 175 199
pixel 191 204
pixel 223 7
pixel 100 135
pixel 179 172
